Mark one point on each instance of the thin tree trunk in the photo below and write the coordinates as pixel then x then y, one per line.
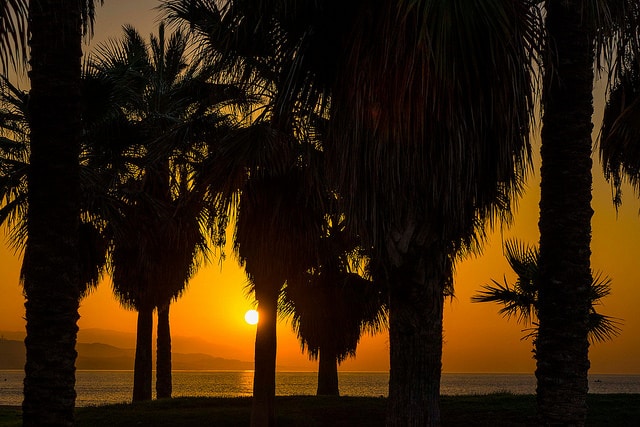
pixel 565 218
pixel 50 267
pixel 415 340
pixel 327 374
pixel 163 357
pixel 143 369
pixel 263 412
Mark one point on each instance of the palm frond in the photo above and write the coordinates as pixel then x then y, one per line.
pixel 514 302
pixel 603 328
pixel 521 299
pixel 13 34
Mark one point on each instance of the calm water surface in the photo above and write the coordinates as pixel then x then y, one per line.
pixel 103 387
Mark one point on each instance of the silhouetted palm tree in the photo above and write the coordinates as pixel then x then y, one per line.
pixel 576 35
pixel 441 167
pixel 520 300
pixel 333 306
pixel 269 168
pixel 275 220
pixel 166 113
pixel 50 267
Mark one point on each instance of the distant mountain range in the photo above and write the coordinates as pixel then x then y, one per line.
pixel 99 356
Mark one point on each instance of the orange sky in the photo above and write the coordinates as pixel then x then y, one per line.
pixel 476 338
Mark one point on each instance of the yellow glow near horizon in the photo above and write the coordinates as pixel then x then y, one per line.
pixel 251 317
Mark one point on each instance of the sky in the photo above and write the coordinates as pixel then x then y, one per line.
pixel 476 337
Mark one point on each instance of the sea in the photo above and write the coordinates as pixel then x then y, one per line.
pixel 107 387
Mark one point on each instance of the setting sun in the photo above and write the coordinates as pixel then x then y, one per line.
pixel 251 317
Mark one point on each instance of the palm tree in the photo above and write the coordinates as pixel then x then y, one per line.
pixel 275 220
pixel 417 172
pixel 170 112
pixel 435 182
pixel 269 178
pixel 576 34
pixel 565 215
pixel 520 300
pixel 13 34
pixel 333 306
pixel 50 268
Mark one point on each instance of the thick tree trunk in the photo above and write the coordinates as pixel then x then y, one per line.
pixel 415 340
pixel 143 369
pixel 327 374
pixel 50 267
pixel 163 355
pixel 565 218
pixel 263 412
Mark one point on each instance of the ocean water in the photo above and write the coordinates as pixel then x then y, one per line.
pixel 104 387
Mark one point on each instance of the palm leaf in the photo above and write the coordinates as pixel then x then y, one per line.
pixel 521 299
pixel 13 34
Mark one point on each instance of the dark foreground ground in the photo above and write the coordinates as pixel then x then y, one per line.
pixel 611 410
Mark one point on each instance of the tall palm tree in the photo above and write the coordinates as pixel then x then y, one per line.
pixel 270 179
pixel 417 171
pixel 333 306
pixel 50 268
pixel 576 35
pixel 441 168
pixel 275 220
pixel 565 215
pixel 520 300
pixel 167 112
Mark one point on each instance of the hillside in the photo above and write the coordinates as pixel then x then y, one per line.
pixel 98 356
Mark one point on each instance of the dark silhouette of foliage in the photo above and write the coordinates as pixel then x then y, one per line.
pixel 520 299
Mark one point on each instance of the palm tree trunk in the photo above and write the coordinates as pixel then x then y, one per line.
pixel 143 369
pixel 415 340
pixel 50 267
pixel 565 218
pixel 163 357
pixel 328 374
pixel 263 412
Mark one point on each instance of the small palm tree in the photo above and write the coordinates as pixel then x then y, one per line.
pixel 333 306
pixel 520 300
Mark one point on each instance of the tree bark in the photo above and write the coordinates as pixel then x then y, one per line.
pixel 327 374
pixel 163 357
pixel 565 217
pixel 50 268
pixel 415 340
pixel 143 365
pixel 264 377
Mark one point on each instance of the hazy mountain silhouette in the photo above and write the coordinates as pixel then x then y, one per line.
pixel 100 356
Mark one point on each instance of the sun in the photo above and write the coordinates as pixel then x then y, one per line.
pixel 251 317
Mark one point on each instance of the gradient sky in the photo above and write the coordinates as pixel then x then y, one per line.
pixel 476 338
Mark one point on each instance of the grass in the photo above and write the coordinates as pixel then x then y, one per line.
pixel 501 409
